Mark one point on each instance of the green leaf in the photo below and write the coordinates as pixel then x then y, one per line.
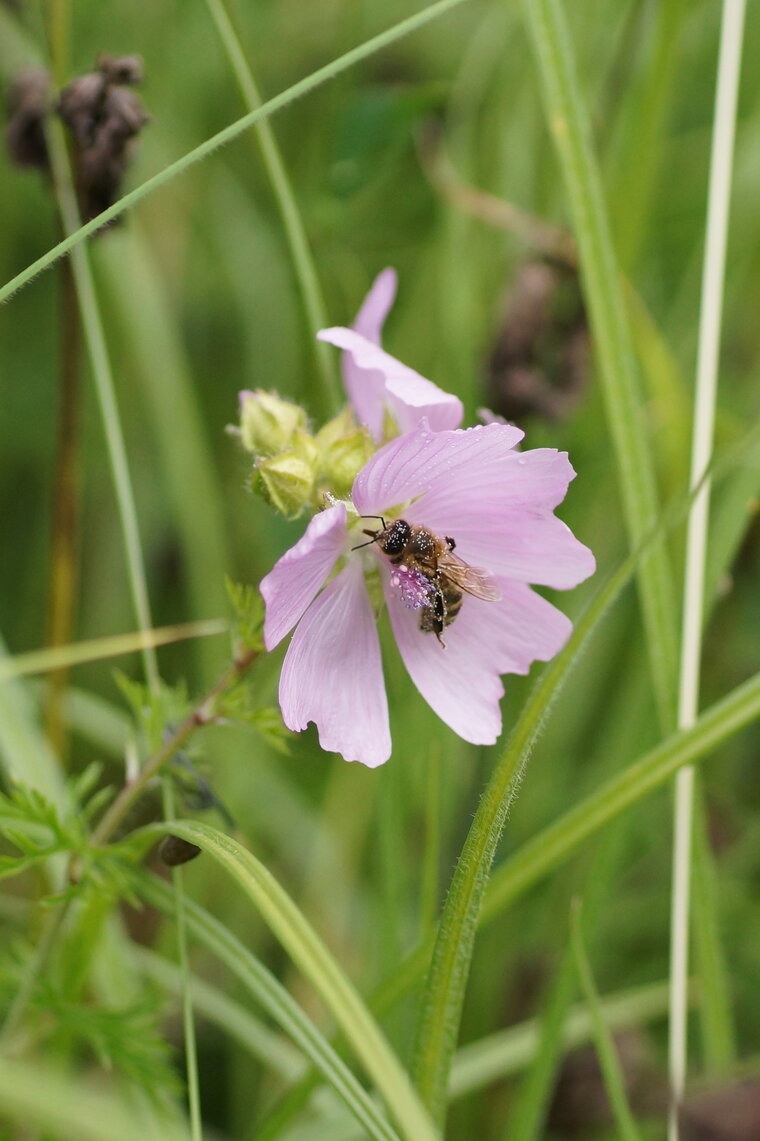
pixel 249 613
pixel 272 996
pixel 310 954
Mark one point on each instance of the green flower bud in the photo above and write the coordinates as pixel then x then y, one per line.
pixel 286 481
pixel 344 449
pixel 267 423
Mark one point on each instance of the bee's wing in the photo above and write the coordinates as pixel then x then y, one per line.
pixel 476 581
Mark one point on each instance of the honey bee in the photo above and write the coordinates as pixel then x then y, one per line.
pixel 433 559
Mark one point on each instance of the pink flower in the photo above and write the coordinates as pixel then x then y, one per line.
pixel 497 504
pixel 376 383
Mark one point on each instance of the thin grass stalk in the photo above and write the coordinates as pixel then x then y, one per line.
pixel 186 994
pixel 104 386
pixel 303 263
pixel 605 1048
pixel 103 377
pixel 729 65
pixel 530 1105
pixel 226 135
pixel 63 554
pixel 65 531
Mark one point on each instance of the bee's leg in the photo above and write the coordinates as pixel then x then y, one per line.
pixel 439 614
pixel 450 543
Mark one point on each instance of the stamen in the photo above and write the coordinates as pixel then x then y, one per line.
pixel 415 589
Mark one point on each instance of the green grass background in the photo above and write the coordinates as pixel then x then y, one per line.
pixel 199 300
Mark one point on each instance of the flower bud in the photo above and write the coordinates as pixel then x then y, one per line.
pixel 268 424
pixel 286 481
pixel 344 449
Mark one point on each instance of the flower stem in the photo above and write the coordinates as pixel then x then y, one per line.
pixel 306 274
pixel 696 541
pixel 201 714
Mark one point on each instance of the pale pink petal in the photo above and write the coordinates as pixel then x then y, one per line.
pixel 495 503
pixel 378 380
pixel 499 512
pixel 333 675
pixel 365 388
pixel 371 317
pixel 423 461
pixel 528 548
pixel 461 683
pixel 293 581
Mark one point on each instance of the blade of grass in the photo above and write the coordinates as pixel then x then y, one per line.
pixel 605 1048
pixel 272 996
pixel 104 386
pixel 310 954
pixel 95 340
pixel 303 263
pixel 139 313
pixel 507 1052
pixel 98 649
pixel 528 1112
pixel 228 1014
pixel 552 846
pixel 696 540
pixel 227 134
pixel 444 994
pixel 569 123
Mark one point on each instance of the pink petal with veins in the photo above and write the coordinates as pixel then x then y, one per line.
pixel 496 503
pixel 378 380
pixel 461 683
pixel 333 675
pixel 293 581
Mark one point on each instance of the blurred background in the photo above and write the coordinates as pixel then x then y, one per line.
pixel 431 156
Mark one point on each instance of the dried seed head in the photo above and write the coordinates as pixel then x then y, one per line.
pixel 121 69
pixel 28 103
pixel 103 115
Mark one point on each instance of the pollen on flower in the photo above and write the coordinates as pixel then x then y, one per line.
pixel 415 590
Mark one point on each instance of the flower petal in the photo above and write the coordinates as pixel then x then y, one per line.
pixel 371 317
pixel 423 460
pixel 376 379
pixel 496 503
pixel 500 514
pixel 293 581
pixel 462 683
pixel 333 674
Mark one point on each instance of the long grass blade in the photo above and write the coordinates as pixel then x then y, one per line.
pixel 569 124
pixel 303 262
pixel 226 135
pixel 696 541
pixel 272 996
pixel 310 954
pixel 605 1048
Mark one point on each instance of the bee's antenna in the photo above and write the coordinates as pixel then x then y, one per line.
pixel 375 537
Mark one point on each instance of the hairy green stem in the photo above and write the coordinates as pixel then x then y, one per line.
pixel 198 716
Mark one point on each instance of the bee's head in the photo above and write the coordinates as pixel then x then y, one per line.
pixel 395 538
